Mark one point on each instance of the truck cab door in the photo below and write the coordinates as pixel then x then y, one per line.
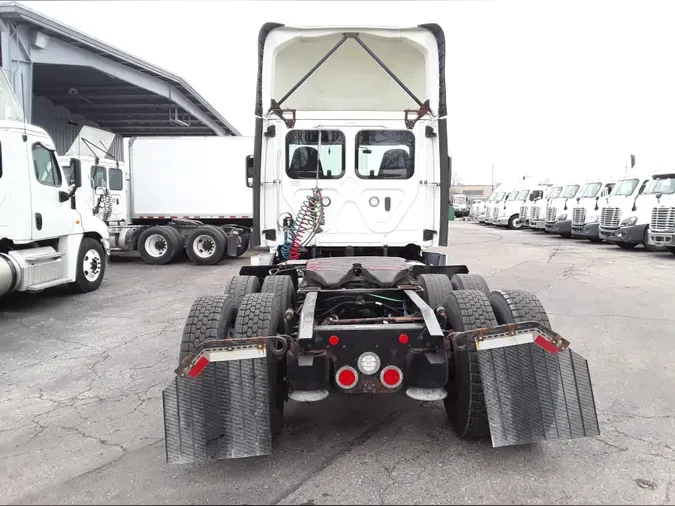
pixel 52 215
pixel 118 194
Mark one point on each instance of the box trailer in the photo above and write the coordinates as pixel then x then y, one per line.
pixel 185 194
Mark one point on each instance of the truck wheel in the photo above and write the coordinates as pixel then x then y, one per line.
pixel 649 247
pixel 206 245
pixel 240 286
pixel 259 315
pixel 515 223
pixel 470 282
pixel 514 306
pixel 282 287
pixel 157 245
pixel 90 266
pixel 210 317
pixel 626 245
pixel 180 242
pixel 671 249
pixel 243 246
pixel 436 288
pixel 465 404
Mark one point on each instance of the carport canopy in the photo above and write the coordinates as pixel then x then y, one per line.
pixel 121 93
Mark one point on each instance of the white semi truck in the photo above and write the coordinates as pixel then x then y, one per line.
pixel 510 212
pixel 662 224
pixel 536 194
pixel 625 216
pixel 537 214
pixel 182 194
pixel 48 236
pixel 559 211
pixel 350 296
pixel 586 211
pixel 459 204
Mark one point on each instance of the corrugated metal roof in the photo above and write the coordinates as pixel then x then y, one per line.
pixel 19 13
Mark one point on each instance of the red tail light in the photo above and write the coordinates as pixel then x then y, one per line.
pixel 346 377
pixel 391 376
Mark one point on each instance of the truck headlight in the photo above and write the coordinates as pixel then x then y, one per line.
pixel 629 222
pixel 562 217
pixel 593 218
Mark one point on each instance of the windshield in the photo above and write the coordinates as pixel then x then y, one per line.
pixel 625 187
pixel 523 194
pixel 459 199
pixel 570 191
pixel 555 191
pixel 591 190
pixel 513 195
pixel 499 197
pixel 666 186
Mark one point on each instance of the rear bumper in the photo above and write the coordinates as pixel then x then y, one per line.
pixel 662 239
pixel 562 227
pixel 588 231
pixel 629 235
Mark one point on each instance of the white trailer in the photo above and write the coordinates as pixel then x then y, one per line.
pixel 48 236
pixel 185 194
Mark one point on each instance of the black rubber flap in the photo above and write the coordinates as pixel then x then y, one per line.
pixel 532 395
pixel 222 414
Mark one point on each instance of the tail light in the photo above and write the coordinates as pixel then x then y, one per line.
pixel 346 377
pixel 391 376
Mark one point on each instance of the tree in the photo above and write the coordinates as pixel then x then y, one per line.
pixel 456 180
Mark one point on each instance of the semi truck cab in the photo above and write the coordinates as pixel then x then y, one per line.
pixel 586 212
pixel 559 211
pixel 662 222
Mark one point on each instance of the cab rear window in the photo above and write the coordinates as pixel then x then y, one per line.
pixel 385 154
pixel 308 157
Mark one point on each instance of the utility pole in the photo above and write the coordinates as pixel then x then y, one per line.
pixel 493 177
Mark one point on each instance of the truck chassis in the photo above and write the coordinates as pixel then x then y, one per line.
pixel 370 325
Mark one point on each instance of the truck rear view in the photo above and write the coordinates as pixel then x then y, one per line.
pixel 351 188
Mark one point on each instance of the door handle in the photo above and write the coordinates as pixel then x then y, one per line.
pixel 38 221
pixel 387 203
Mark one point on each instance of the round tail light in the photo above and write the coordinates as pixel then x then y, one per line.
pixel 346 377
pixel 391 376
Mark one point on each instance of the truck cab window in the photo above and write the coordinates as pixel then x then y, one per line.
pixel 98 177
pixel 385 154
pixel 304 154
pixel 116 179
pixel 46 168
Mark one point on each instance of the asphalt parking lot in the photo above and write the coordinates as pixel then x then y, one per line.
pixel 82 378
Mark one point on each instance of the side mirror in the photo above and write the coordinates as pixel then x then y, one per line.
pixel 249 171
pixel 77 172
pixel 100 190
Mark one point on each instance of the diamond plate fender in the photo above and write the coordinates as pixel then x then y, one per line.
pixel 535 387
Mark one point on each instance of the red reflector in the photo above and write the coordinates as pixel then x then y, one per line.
pixel 546 345
pixel 347 377
pixel 391 377
pixel 198 367
pixel 403 339
pixel 333 340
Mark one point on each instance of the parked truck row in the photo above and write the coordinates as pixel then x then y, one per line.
pixel 634 209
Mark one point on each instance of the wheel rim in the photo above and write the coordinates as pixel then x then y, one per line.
pixel 91 265
pixel 517 223
pixel 204 246
pixel 156 245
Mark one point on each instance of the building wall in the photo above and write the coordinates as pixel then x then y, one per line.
pixel 54 119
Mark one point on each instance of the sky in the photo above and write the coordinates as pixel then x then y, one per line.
pixel 563 89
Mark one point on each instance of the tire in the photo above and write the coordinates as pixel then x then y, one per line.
pixel 210 317
pixel 157 245
pixel 625 245
pixel 243 247
pixel 514 223
pixel 206 245
pixel 595 240
pixel 240 286
pixel 259 315
pixel 436 288
pixel 514 306
pixel 91 264
pixel 465 403
pixel 180 242
pixel 671 249
pixel 648 247
pixel 470 282
pixel 282 286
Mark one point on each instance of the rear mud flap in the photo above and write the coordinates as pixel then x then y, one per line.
pixel 221 414
pixel 533 390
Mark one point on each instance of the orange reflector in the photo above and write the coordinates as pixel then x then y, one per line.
pixel 77 222
pixel 546 345
pixel 333 340
pixel 403 339
pixel 198 367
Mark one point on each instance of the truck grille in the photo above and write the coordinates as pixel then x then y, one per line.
pixel 535 213
pixel 523 213
pixel 495 212
pixel 609 218
pixel 663 219
pixel 551 214
pixel 578 216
